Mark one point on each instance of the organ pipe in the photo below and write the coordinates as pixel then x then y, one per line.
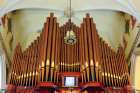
pixel 49 55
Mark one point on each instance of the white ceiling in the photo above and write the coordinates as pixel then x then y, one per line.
pixel 129 6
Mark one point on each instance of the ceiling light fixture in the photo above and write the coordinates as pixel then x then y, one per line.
pixel 70 37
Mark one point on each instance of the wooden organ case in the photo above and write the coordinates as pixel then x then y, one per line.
pixel 40 67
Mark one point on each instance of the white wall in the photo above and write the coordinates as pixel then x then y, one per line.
pixel 137 73
pixel 2 66
pixel 2 72
pixel 26 23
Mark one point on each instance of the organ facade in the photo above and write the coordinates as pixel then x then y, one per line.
pixel 48 61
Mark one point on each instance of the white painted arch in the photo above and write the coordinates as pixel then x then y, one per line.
pixel 58 6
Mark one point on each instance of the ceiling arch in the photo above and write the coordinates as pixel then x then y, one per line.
pixel 128 6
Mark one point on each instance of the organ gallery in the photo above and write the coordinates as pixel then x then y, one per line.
pixel 59 61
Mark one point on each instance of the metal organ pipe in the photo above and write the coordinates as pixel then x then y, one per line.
pixel 49 55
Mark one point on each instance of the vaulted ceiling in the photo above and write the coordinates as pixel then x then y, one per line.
pixel 129 6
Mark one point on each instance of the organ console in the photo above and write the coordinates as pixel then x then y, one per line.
pixel 43 62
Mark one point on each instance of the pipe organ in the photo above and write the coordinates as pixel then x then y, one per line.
pixel 49 55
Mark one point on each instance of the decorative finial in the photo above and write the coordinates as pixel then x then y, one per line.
pixel 87 15
pixel 51 14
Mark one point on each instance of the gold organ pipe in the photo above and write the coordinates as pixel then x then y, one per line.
pixel 106 65
pixel 86 50
pixel 107 62
pixel 49 45
pixel 19 69
pixel 66 58
pixel 13 73
pixel 115 68
pixel 83 53
pixel 25 67
pixel 56 53
pixel 43 51
pixel 49 55
pixel 112 66
pixel 34 63
pixel 30 65
pixel 103 63
pixel 58 56
pixel 119 65
pixel 74 53
pixel 44 59
pixel 37 61
pixel 90 51
pixel 15 79
pixel 95 50
pixel 53 49
pixel 63 53
pixel 77 48
pixel 117 71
